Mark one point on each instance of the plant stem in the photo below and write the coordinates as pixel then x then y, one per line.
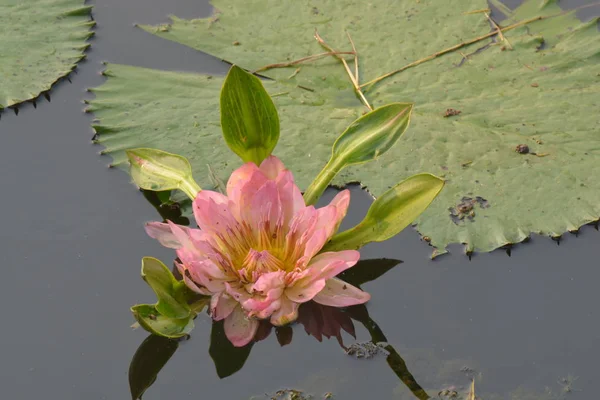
pixel 318 186
pixel 500 34
pixel 190 188
pixel 354 81
pixel 302 60
pixel 453 48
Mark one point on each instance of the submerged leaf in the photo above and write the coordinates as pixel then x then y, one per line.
pixel 390 213
pixel 152 355
pixel 152 321
pixel 248 116
pixel 474 150
pixel 41 42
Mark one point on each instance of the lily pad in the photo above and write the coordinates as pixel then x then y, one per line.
pixel 475 105
pixel 42 40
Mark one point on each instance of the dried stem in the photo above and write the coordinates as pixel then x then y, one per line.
pixel 356 78
pixel 483 10
pixel 453 48
pixel 302 60
pixel 348 71
pixel 499 30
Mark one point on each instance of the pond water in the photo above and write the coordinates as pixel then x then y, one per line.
pixel 525 326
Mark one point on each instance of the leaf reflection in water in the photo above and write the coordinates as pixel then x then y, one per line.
pixel 318 321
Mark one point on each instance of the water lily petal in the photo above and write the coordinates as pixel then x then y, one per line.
pixel 338 293
pixel 332 263
pixel 221 305
pixel 267 290
pixel 208 274
pixel 326 220
pixel 290 195
pixel 288 312
pixel 162 232
pixel 271 167
pixel 213 212
pixel 265 209
pixel 312 247
pixel 341 202
pixel 300 293
pixel 239 329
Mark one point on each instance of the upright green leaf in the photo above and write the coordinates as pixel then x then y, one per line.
pixel 170 293
pixel 41 42
pixel 365 140
pixel 390 213
pixel 248 116
pixel 154 322
pixel 158 170
pixel 152 355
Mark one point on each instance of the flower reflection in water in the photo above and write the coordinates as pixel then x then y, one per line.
pixel 318 320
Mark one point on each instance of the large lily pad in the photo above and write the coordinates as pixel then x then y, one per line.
pixel 540 88
pixel 42 40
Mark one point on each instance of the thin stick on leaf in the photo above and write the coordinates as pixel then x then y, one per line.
pixel 303 60
pixel 482 10
pixel 453 48
pixel 348 71
pixel 499 30
pixel 356 77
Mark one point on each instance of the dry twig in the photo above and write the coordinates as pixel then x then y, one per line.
pixel 354 81
pixel 302 60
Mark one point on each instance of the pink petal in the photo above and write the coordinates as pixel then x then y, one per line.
pixel 338 293
pixel 288 312
pixel 240 177
pixel 265 208
pixel 239 329
pixel 300 293
pixel 271 167
pixel 341 202
pixel 208 274
pixel 329 264
pixel 213 212
pixel 164 233
pixel 326 220
pixel 221 305
pixel 290 195
pixel 269 288
pixel 312 247
pixel 243 193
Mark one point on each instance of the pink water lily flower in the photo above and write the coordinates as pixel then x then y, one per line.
pixel 257 250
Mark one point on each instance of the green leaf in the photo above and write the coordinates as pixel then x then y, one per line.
pixel 390 213
pixel 152 321
pixel 366 139
pixel 474 150
pixel 170 293
pixel 42 40
pixel 158 170
pixel 248 116
pixel 152 355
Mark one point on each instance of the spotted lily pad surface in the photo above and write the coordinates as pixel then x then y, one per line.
pixel 41 41
pixel 512 123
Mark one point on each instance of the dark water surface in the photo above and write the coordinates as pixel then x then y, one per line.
pixel 524 326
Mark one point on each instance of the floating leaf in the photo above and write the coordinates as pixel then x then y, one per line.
pixel 248 116
pixel 495 104
pixel 42 40
pixel 152 355
pixel 152 321
pixel 366 139
pixel 171 294
pixel 158 170
pixel 390 213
